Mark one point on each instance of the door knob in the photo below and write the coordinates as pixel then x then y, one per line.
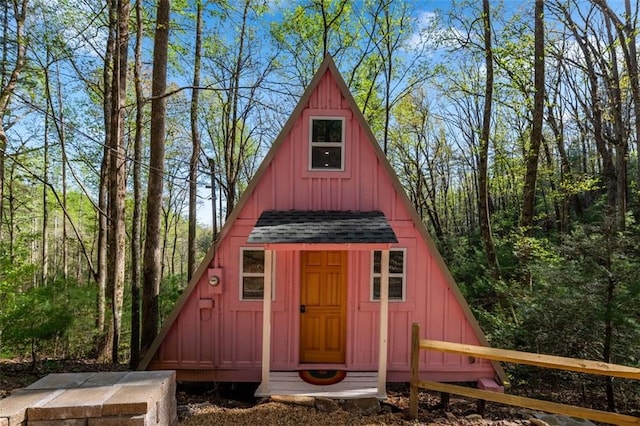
pixel 303 309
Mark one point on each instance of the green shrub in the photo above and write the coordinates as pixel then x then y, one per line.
pixel 38 314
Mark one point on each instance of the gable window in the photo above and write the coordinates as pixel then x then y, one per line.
pixel 397 274
pixel 252 273
pixel 326 147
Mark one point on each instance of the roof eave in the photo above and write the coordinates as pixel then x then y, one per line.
pixel 328 246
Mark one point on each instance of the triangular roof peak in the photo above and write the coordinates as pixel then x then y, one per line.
pixel 327 65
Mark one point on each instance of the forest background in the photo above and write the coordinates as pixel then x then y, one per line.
pixel 129 129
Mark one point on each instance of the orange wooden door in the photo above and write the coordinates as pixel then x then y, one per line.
pixel 323 306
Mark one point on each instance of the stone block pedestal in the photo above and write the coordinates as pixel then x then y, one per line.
pixel 137 398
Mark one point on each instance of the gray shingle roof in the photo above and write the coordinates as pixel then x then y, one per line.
pixel 321 226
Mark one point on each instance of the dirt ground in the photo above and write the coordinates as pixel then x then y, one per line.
pixel 203 405
pixel 227 404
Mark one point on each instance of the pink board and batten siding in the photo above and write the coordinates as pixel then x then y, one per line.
pixel 217 336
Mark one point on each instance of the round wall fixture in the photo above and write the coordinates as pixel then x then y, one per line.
pixel 214 280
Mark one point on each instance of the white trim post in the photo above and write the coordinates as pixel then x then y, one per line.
pixel 384 324
pixel 266 322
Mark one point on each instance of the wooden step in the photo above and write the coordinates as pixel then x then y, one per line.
pixel 357 384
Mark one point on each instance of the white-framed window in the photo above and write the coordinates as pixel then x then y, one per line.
pixel 252 274
pixel 397 274
pixel 326 143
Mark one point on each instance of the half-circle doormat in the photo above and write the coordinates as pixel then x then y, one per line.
pixel 322 377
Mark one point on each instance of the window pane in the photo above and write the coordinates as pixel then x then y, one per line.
pixel 253 261
pixel 326 157
pixel 376 288
pixel 396 259
pixel 395 288
pixel 377 255
pixel 327 131
pixel 252 287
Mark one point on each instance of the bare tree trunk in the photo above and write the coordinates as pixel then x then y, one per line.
pixel 12 215
pixel 533 153
pixel 233 168
pixel 166 223
pixel 44 275
pixel 63 152
pixel 483 187
pixel 103 340
pixel 214 207
pixel 619 136
pixel 152 258
pixel 392 27
pixel 327 22
pixel 595 114
pixel 176 223
pixel 634 77
pixel 57 113
pixel 388 75
pixel 557 209
pixel 117 171
pixel 136 223
pixel 627 35
pixel 101 277
pixel 45 186
pixel 8 87
pixel 195 153
pixel 565 169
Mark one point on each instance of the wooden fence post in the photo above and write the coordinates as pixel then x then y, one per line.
pixel 415 371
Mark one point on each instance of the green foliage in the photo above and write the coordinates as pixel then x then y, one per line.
pixel 535 248
pixel 80 300
pixel 170 289
pixel 36 315
pixel 488 299
pixel 565 308
pixel 467 265
pixel 15 275
pixel 36 318
pixel 594 285
pixel 304 28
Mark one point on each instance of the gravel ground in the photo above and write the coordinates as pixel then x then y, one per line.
pixel 207 404
pixel 275 413
pixel 212 409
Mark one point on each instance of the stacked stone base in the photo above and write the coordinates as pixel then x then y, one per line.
pixel 137 398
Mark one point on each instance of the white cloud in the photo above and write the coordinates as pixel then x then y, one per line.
pixel 429 35
pixel 424 23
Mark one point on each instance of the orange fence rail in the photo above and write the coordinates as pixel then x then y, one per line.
pixel 547 361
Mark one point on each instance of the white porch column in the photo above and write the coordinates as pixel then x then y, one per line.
pixel 266 321
pixel 384 324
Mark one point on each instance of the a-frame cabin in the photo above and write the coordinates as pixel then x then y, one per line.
pixel 327 230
